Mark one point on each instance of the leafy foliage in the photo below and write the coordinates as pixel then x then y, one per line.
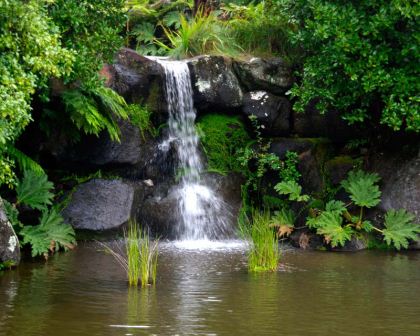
pixel 399 227
pixel 140 116
pixel 284 221
pixel 50 235
pixel 222 137
pixel 34 190
pixel 360 58
pixel 362 189
pixel 292 189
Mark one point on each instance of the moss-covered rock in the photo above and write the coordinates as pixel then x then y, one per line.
pixel 9 243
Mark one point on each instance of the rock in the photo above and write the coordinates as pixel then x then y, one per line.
pixel 338 168
pixel 272 75
pixel 214 83
pixel 400 183
pixel 313 124
pixel 312 156
pixel 9 242
pixel 139 80
pixel 273 113
pixel 352 245
pixel 100 205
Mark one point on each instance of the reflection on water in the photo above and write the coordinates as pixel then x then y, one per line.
pixel 209 292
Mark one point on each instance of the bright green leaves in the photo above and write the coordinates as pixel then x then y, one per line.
pixel 362 189
pixel 292 189
pixel 335 206
pixel 284 221
pixel 50 235
pixel 399 227
pixel 34 190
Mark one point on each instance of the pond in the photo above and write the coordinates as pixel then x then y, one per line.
pixel 208 291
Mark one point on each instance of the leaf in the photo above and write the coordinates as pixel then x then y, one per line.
pixel 362 189
pixel 284 221
pixel 38 238
pixel 330 225
pixel 367 226
pixel 23 160
pixel 399 227
pixel 292 189
pixel 60 233
pixel 335 206
pixel 34 190
pixel 172 19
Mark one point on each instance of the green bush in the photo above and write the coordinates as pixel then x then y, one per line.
pixel 222 136
pixel 361 58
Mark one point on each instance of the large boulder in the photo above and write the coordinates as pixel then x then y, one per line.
pixel 9 243
pixel 273 113
pixel 214 83
pixel 139 80
pixel 100 205
pixel 273 75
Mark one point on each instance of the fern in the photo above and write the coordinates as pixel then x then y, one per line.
pixel 24 162
pixel 34 190
pixel 399 227
pixel 362 189
pixel 292 189
pixel 50 235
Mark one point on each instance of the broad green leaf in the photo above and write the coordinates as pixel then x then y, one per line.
pixel 399 227
pixel 330 225
pixel 34 190
pixel 362 189
pixel 292 189
pixel 335 206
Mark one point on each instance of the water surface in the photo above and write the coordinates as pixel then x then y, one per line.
pixel 208 291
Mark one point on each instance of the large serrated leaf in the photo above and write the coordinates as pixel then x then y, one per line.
pixel 34 190
pixel 362 189
pixel 329 225
pixel 292 189
pixel 399 227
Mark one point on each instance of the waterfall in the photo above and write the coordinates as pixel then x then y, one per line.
pixel 202 212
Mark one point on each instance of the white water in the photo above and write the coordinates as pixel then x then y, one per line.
pixel 203 213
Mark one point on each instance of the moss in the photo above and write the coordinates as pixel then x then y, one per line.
pixel 221 137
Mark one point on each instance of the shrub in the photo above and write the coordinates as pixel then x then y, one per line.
pixel 361 58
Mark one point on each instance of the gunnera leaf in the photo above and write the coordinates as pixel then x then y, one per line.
pixel 399 228
pixel 362 189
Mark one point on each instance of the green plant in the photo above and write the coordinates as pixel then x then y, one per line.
pixel 202 34
pixel 360 59
pixel 140 117
pixel 264 254
pixel 336 223
pixel 50 235
pixel 133 254
pixel 148 259
pixel 221 137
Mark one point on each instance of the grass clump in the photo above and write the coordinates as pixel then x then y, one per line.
pixel 264 254
pixel 221 137
pixel 140 258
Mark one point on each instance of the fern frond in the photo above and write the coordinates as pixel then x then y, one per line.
pixel 24 161
pixel 399 228
pixel 34 190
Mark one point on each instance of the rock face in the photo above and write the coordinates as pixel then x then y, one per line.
pixel 401 188
pixel 139 80
pixel 9 243
pixel 272 75
pixel 214 83
pixel 100 205
pixel 272 112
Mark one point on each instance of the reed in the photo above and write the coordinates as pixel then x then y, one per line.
pixel 140 258
pixel 264 254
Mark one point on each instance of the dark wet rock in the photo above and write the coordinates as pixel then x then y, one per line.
pixel 272 75
pixel 139 80
pixel 313 154
pixel 9 243
pixel 311 123
pixel 273 113
pixel 338 168
pixel 400 182
pixel 306 240
pixel 100 205
pixel 352 245
pixel 214 83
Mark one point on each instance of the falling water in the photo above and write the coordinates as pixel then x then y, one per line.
pixel 202 212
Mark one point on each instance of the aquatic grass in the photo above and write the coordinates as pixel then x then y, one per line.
pixel 264 254
pixel 140 258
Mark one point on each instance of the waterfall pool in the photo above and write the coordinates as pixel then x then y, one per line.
pixel 204 288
